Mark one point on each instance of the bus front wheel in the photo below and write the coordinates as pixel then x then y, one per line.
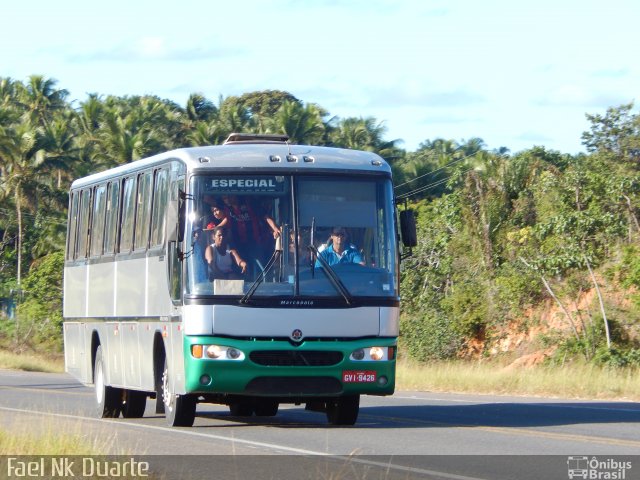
pixel 180 410
pixel 343 410
pixel 108 399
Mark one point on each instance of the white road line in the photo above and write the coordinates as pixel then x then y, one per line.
pixel 586 406
pixel 271 446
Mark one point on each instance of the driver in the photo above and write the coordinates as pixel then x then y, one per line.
pixel 340 250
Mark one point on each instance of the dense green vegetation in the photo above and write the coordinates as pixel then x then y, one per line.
pixel 501 234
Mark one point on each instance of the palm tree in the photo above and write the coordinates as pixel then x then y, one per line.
pixel 40 98
pixel 234 117
pixel 303 124
pixel 22 158
pixel 206 133
pixel 61 148
pixel 90 115
pixel 132 129
pixel 8 89
pixel 352 133
pixel 121 141
pixel 200 109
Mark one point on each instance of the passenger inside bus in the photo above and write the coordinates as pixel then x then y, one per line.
pixel 339 250
pixel 223 262
pixel 253 230
pixel 218 217
pixel 303 253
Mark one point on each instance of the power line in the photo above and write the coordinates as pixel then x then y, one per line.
pixel 431 185
pixel 437 170
pixel 33 216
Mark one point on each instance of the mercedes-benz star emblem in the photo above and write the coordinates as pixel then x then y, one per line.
pixel 296 335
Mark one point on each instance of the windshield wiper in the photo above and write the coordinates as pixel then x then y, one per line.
pixel 261 278
pixel 331 275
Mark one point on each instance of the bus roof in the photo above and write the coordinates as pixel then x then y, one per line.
pixel 253 156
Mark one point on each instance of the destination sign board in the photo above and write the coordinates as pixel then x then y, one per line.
pixel 252 184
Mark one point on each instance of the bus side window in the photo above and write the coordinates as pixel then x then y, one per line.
pixel 73 225
pixel 83 239
pixel 160 200
pixel 128 212
pixel 97 227
pixel 113 210
pixel 142 211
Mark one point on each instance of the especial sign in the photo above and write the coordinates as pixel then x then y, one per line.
pixel 262 184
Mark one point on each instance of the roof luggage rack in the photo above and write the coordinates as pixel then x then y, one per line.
pixel 256 138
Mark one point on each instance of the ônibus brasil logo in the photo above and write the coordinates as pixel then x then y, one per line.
pixel 595 468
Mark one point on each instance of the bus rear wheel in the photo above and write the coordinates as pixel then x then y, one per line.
pixel 241 409
pixel 343 410
pixel 134 404
pixel 108 399
pixel 266 408
pixel 180 410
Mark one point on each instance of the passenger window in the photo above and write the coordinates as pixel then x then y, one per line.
pixel 128 212
pixel 97 229
pixel 160 200
pixel 142 211
pixel 113 210
pixel 73 226
pixel 83 222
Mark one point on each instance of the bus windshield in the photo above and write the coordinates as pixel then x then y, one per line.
pixel 286 237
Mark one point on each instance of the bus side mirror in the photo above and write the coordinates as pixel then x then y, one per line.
pixel 174 270
pixel 176 218
pixel 408 228
pixel 182 215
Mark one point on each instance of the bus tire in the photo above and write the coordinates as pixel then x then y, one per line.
pixel 241 409
pixel 343 410
pixel 266 408
pixel 180 410
pixel 108 399
pixel 134 405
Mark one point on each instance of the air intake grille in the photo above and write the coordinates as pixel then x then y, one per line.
pixel 296 358
pixel 294 386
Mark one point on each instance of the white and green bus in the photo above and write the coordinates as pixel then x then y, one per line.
pixel 144 316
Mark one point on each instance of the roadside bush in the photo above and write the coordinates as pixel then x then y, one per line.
pixel 467 304
pixel 516 289
pixel 630 267
pixel 618 357
pixel 38 325
pixel 428 335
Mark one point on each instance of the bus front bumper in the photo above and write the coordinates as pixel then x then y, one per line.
pixel 277 368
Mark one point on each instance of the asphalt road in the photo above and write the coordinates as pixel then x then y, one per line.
pixel 407 435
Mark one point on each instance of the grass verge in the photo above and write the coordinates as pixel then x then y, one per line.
pixel 31 363
pixel 578 380
pixel 92 453
pixel 52 440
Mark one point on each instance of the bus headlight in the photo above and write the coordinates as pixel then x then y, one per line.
pixel 216 352
pixel 376 353
pixel 233 353
pixel 213 351
pixel 373 354
pixel 358 354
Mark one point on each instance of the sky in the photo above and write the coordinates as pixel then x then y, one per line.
pixel 516 74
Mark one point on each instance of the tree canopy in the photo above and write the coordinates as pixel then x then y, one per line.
pixel 498 232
